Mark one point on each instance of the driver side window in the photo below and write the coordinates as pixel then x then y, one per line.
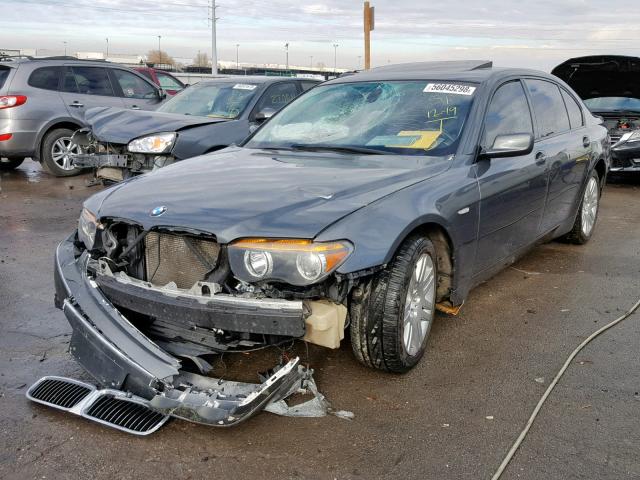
pixel 508 113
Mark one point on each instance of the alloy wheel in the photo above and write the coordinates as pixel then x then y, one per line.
pixel 590 206
pixel 419 305
pixel 62 151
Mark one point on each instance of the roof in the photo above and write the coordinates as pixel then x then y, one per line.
pixel 253 79
pixel 475 71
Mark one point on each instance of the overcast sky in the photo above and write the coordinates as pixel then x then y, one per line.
pixel 535 34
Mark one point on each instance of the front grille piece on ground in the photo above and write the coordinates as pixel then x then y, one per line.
pixel 112 408
pixel 181 259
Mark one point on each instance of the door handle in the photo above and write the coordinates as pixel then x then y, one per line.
pixel 541 158
pixel 76 104
pixel 586 142
pixel 135 107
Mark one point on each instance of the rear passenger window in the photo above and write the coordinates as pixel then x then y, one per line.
pixel 93 81
pixel 574 110
pixel 549 108
pixel 45 77
pixel 307 85
pixel 508 113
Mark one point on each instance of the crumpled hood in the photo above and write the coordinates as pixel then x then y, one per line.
pixel 240 192
pixel 119 125
pixel 601 76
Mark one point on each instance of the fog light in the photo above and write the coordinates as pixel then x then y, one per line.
pixel 258 264
pixel 310 265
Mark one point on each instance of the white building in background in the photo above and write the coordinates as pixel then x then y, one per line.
pixel 122 58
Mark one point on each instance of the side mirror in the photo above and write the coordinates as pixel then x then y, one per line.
pixel 511 145
pixel 161 94
pixel 265 114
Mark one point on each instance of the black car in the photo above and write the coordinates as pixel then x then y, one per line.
pixel 610 88
pixel 203 118
pixel 368 203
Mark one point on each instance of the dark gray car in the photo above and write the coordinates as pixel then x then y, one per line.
pixel 43 101
pixel 206 117
pixel 369 202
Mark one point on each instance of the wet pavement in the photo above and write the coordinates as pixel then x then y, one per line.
pixel 453 417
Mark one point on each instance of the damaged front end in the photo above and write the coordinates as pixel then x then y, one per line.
pixel 115 162
pixel 149 308
pixel 624 132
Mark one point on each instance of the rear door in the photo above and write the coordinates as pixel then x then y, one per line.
pixel 512 189
pixel 136 92
pixel 562 145
pixel 86 87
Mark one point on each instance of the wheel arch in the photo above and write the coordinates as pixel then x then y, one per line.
pixel 601 169
pixel 62 123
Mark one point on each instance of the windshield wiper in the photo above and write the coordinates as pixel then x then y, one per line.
pixel 313 147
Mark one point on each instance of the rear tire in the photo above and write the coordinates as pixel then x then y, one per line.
pixel 392 314
pixel 587 213
pixel 57 150
pixel 7 164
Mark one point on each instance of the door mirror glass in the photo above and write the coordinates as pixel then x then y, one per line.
pixel 265 114
pixel 511 145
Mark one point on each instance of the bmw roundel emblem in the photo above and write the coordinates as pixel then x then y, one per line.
pixel 156 212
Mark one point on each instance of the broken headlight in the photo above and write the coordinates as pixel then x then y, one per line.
pixel 87 228
pixel 296 262
pixel 158 143
pixel 634 137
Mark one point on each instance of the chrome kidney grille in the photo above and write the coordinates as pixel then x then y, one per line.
pixel 112 408
pixel 181 259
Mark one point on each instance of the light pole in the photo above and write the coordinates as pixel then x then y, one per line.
pixel 311 63
pixel 286 47
pixel 65 48
pixel 335 57
pixel 237 56
pixel 107 55
pixel 359 61
pixel 159 50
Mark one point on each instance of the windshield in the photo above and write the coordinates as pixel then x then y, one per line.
pixel 403 117
pixel 610 104
pixel 218 100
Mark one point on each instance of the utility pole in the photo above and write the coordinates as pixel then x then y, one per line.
pixel 237 56
pixel 335 57
pixel 107 55
pixel 159 51
pixel 369 24
pixel 286 47
pixel 214 51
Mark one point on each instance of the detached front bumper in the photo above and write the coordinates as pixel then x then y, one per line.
pixel 119 356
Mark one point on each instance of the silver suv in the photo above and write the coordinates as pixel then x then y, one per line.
pixel 43 100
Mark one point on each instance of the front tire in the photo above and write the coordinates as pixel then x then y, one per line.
pixel 587 213
pixel 7 164
pixel 392 314
pixel 57 152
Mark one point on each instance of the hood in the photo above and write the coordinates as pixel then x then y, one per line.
pixel 242 192
pixel 601 76
pixel 119 125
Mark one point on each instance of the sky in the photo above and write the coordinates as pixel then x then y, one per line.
pixel 537 34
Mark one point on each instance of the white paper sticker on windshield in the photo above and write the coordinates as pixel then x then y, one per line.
pixel 244 86
pixel 454 88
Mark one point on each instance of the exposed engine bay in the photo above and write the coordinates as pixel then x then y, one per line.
pixel 617 127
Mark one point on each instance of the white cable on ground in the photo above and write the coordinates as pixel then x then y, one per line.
pixel 552 385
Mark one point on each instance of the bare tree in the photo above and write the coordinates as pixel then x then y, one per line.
pixel 159 57
pixel 201 60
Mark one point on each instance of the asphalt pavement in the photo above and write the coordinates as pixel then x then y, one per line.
pixel 453 417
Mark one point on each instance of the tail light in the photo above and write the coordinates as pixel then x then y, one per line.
pixel 5 136
pixel 9 101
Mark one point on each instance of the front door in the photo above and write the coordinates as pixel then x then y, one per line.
pixel 136 92
pixel 512 189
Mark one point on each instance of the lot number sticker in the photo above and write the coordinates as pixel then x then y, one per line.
pixel 449 88
pixel 244 86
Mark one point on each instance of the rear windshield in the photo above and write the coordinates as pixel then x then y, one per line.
pixel 216 100
pixel 4 74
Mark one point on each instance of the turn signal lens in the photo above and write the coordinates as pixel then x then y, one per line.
pixel 9 101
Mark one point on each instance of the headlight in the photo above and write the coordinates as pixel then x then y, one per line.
pixel 159 143
pixel 87 227
pixel 296 262
pixel 634 137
